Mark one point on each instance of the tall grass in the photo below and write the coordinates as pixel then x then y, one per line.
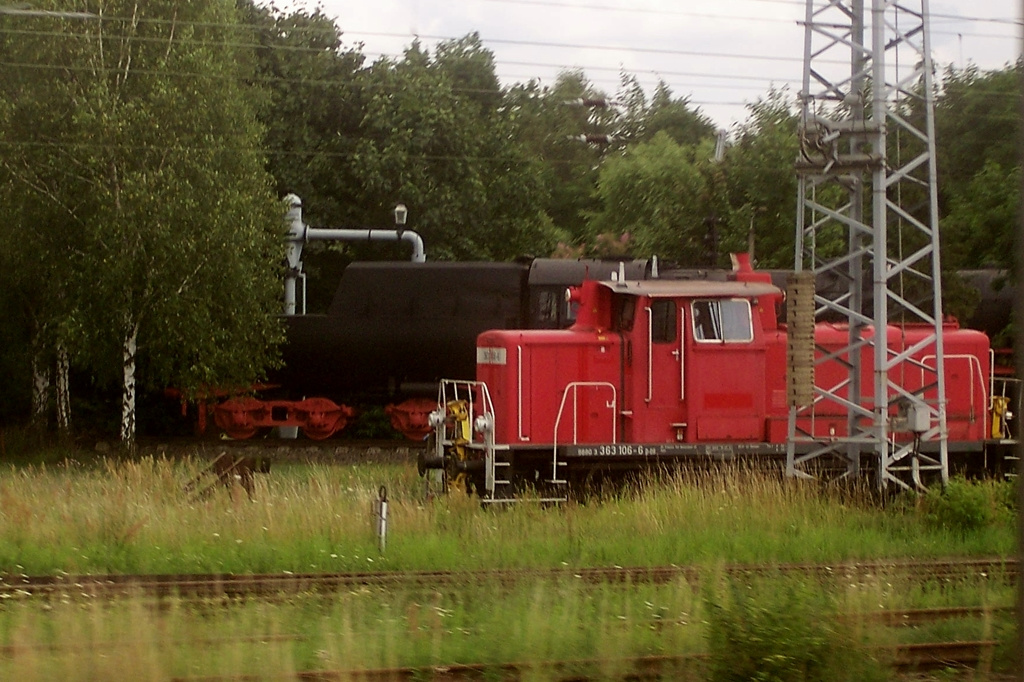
pixel 135 517
pixel 365 628
pixel 785 628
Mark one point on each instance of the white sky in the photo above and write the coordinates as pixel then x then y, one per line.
pixel 719 53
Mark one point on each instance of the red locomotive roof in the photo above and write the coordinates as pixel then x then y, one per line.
pixel 664 288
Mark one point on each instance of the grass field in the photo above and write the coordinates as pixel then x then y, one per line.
pixel 118 516
pixel 134 517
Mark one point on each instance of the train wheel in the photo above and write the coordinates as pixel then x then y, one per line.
pixel 238 417
pixel 240 433
pixel 317 434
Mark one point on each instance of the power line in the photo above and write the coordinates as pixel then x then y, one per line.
pixel 270 32
pixel 688 13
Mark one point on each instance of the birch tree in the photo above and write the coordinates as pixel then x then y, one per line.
pixel 175 234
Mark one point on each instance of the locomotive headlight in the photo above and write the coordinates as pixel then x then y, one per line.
pixel 436 419
pixel 483 424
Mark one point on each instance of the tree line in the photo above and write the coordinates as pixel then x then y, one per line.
pixel 144 151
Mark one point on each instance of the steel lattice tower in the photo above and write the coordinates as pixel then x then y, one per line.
pixel 868 214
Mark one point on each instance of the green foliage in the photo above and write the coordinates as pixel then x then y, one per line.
pixel 977 122
pixel 642 120
pixel 977 128
pixel 968 506
pixel 549 129
pixel 975 231
pixel 155 214
pixel 782 631
pixel 372 422
pixel 760 184
pixel 313 98
pixel 657 191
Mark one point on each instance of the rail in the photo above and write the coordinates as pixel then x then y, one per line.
pixel 1005 569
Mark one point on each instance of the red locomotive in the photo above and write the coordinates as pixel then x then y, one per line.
pixel 662 371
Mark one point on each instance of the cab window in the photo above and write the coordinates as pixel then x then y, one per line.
pixel 551 309
pixel 663 321
pixel 547 307
pixel 722 321
pixel 623 313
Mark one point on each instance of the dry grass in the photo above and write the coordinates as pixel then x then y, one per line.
pixel 135 517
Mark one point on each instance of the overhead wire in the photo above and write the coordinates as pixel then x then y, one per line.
pixel 336 34
pixel 660 74
pixel 958 18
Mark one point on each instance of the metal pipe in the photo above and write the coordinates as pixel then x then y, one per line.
pixel 327 234
pixel 299 233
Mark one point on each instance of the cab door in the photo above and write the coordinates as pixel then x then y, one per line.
pixel 726 372
pixel 657 394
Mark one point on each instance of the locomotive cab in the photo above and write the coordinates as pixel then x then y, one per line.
pixel 651 369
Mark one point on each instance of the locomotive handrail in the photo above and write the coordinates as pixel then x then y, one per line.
pixel 486 408
pixel 486 432
pixel 992 371
pixel 682 353
pixel 650 353
pixel 1005 383
pixel 575 386
pixel 972 361
pixel 519 393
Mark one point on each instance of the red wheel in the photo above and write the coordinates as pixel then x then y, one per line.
pixel 321 418
pixel 236 417
pixel 241 434
pixel 316 434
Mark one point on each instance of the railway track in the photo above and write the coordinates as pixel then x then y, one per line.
pixel 339 450
pixel 904 659
pixel 267 585
pixel 888 617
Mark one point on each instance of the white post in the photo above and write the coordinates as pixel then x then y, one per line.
pixel 380 507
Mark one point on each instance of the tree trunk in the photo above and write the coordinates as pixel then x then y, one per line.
pixel 63 391
pixel 40 387
pixel 128 388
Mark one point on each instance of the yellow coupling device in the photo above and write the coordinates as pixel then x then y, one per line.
pixel 459 418
pixel 1000 417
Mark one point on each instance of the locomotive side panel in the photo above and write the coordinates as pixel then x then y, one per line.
pixel 967 369
pixel 539 380
pixel 833 373
pixel 695 368
pixel 967 364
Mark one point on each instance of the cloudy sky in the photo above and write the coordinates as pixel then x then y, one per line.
pixel 719 53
